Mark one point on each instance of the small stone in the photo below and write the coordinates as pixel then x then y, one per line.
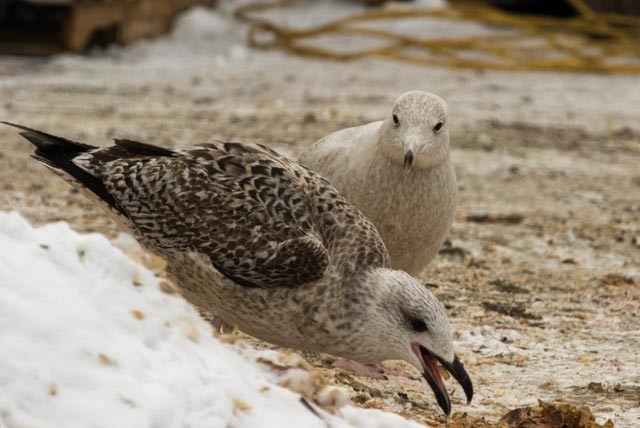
pixel 624 132
pixel 310 117
pixel 595 387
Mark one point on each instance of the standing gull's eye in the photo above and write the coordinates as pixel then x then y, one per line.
pixel 418 325
pixel 396 120
pixel 438 126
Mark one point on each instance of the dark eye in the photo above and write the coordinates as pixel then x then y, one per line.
pixel 396 120
pixel 438 126
pixel 418 325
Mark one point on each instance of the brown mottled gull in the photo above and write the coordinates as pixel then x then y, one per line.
pixel 268 246
pixel 398 173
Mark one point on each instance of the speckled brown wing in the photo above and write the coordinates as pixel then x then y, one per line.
pixel 243 206
pixel 261 219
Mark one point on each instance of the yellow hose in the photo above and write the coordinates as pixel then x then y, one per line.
pixel 590 42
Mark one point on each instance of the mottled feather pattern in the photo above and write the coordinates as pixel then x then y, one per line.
pixel 263 220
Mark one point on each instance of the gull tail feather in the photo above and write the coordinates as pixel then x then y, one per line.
pixel 58 153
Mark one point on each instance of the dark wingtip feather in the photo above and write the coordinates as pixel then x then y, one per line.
pixel 143 149
pixel 40 159
pixel 15 125
pixel 43 137
pixel 37 141
pixel 58 153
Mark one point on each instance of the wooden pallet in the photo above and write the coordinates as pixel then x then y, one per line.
pixel 41 27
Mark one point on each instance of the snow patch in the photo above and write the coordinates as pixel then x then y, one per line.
pixel 89 339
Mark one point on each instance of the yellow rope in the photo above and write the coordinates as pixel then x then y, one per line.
pixel 607 43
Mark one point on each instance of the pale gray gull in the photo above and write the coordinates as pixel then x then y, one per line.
pixel 398 173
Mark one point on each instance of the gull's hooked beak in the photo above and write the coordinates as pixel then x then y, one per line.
pixel 411 149
pixel 434 378
pixel 408 158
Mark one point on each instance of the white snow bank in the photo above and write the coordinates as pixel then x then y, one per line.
pixel 87 338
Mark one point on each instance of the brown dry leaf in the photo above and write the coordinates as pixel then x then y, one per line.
pixel 136 257
pixel 240 406
pixel 155 264
pixel 106 360
pixel 580 315
pixel 547 415
pixel 152 262
pixel 462 420
pixel 273 365
pixel 444 372
pixel 307 385
pixel 53 389
pixel 595 387
pixel 137 282
pixel 286 360
pixel 127 401
pixel 167 287
pixel 586 358
pixel 616 279
pixel 138 314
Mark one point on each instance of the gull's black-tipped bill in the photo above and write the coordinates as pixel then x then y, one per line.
pixel 434 378
pixel 460 374
pixel 408 159
pixel 442 396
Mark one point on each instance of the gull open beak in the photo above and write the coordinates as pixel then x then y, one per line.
pixel 408 158
pixel 434 378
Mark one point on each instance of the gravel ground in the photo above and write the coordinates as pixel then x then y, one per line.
pixel 541 274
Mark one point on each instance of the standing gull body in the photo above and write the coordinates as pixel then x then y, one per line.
pixel 266 245
pixel 398 173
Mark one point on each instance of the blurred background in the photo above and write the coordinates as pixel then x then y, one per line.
pixel 541 273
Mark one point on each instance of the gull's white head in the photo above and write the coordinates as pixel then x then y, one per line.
pixel 405 321
pixel 415 133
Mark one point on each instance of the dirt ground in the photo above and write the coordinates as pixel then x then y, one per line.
pixel 541 274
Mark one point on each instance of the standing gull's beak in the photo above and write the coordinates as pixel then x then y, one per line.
pixel 411 149
pixel 408 158
pixel 434 378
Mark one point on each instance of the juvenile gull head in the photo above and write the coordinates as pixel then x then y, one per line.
pixel 266 245
pixel 415 133
pixel 406 322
